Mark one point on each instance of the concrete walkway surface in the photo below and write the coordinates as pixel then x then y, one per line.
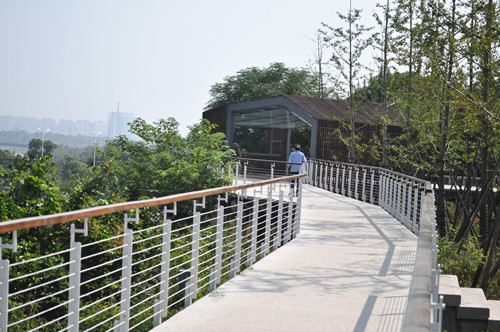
pixel 349 269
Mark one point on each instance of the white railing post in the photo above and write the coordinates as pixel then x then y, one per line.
pixel 331 178
pixel 415 208
pixel 349 183
pixel 299 209
pixel 343 180
pixel 4 291
pixel 237 246
pixel 309 172
pixel 165 266
pixel 408 204
pixel 381 189
pixel 279 227
pixel 394 196
pixel 75 259
pixel 237 173
pixel 196 254
pixel 268 219
pixel 126 284
pixel 290 216
pixel 363 190
pixel 403 203
pixel 218 243
pixel 399 187
pixel 255 221
pixel 326 184
pixel 390 197
pixel 356 183
pixel 422 200
pixel 372 186
pixel 320 184
pixel 245 169
pixel 337 173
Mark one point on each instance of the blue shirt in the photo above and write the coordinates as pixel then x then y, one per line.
pixel 296 157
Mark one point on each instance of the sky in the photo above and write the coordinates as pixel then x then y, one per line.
pixel 77 59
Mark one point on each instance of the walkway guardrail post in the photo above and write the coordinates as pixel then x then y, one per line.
pixel 268 220
pixel 245 170
pixel 237 173
pixel 321 184
pixel 75 257
pixel 165 268
pixel 363 189
pixel 237 246
pixel 356 182
pixel 408 205
pixel 218 241
pixel 299 208
pixel 415 207
pixel 349 182
pixel 337 174
pixel 126 284
pixel 195 250
pixel 279 226
pixel 4 290
pixel 255 221
pixel 342 183
pixel 372 186
pixel 398 198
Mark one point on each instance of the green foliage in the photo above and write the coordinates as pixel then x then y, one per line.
pixel 36 146
pixel 256 83
pixel 164 163
pixel 30 185
pixel 460 259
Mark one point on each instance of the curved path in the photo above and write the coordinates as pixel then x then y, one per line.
pixel 349 269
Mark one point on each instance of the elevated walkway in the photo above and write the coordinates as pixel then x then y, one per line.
pixel 349 269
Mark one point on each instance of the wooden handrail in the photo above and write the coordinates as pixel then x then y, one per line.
pixel 30 222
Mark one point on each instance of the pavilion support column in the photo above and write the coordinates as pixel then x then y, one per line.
pixel 288 142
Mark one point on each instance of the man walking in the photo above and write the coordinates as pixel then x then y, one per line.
pixel 296 157
pixel 299 160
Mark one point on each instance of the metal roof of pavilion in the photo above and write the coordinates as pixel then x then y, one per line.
pixel 328 109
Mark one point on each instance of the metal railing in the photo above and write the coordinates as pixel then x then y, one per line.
pixel 410 201
pixel 251 170
pixel 126 266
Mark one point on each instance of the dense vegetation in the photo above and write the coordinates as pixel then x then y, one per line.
pixel 161 164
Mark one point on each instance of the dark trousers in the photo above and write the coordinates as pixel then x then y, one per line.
pixel 294 183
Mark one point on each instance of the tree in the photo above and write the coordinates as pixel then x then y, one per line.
pixel 29 189
pixel 256 83
pixel 164 163
pixel 327 86
pixel 347 48
pixel 384 46
pixel 35 148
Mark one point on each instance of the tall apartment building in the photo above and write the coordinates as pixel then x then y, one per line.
pixel 118 123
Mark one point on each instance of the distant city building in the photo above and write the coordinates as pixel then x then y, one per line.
pixel 63 126
pixel 118 123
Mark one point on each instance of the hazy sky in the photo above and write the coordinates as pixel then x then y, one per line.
pixel 76 59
